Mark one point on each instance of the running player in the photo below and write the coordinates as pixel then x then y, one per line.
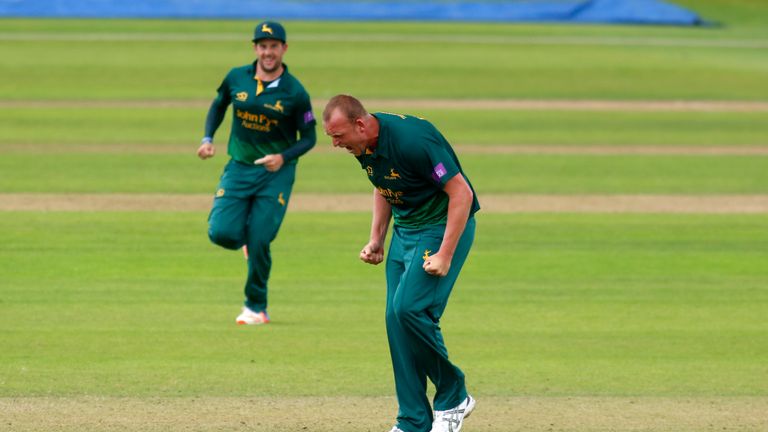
pixel 272 125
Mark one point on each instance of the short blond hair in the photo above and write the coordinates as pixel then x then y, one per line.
pixel 348 105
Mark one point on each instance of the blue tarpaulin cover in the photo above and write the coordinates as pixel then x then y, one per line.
pixel 576 11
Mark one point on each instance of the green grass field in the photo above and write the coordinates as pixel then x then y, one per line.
pixel 493 174
pixel 47 129
pixel 123 320
pixel 138 304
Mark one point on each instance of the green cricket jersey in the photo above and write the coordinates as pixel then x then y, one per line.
pixel 410 166
pixel 266 116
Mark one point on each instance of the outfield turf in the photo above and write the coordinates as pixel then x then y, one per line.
pixel 139 304
pixel 129 59
pixel 155 128
pixel 569 322
pixel 491 174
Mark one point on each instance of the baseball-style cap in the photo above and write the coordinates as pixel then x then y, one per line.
pixel 269 30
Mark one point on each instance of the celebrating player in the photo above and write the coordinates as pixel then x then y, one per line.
pixel 270 108
pixel 418 180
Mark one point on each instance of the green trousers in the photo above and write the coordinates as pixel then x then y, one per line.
pixel 415 302
pixel 248 209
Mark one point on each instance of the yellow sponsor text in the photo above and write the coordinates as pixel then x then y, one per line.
pixel 392 197
pixel 259 122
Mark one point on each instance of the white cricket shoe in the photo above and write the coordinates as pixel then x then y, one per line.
pixel 451 420
pixel 249 317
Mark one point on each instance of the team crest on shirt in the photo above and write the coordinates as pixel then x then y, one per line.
pixel 281 200
pixel 369 170
pixel 393 175
pixel 241 96
pixel 220 193
pixel 278 106
pixel 426 254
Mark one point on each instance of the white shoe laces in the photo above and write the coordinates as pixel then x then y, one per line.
pixel 450 420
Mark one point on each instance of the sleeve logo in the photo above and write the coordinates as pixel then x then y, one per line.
pixel 438 172
pixel 308 117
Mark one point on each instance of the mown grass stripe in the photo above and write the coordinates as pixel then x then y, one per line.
pixel 481 149
pixel 573 40
pixel 449 104
pixel 356 202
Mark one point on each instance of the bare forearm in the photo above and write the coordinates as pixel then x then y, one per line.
pixel 459 204
pixel 382 213
pixel 373 252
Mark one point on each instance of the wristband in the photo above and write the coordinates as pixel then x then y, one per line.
pixel 206 140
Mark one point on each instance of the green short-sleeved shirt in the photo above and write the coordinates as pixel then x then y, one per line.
pixel 266 123
pixel 410 166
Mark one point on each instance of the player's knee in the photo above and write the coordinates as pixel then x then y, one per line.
pixel 225 238
pixel 262 234
pixel 405 314
pixel 259 239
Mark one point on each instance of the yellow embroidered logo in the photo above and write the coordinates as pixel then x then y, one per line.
pixel 393 175
pixel 241 96
pixel 220 193
pixel 281 200
pixel 278 106
pixel 369 170
pixel 266 29
pixel 426 254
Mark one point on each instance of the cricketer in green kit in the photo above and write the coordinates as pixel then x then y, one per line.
pixel 272 125
pixel 417 179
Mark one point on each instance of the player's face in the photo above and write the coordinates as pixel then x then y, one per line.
pixel 346 134
pixel 270 54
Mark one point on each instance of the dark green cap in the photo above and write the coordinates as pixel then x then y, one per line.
pixel 269 30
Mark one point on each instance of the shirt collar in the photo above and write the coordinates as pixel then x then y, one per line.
pixel 382 144
pixel 252 71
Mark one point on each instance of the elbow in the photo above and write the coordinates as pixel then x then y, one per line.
pixel 464 192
